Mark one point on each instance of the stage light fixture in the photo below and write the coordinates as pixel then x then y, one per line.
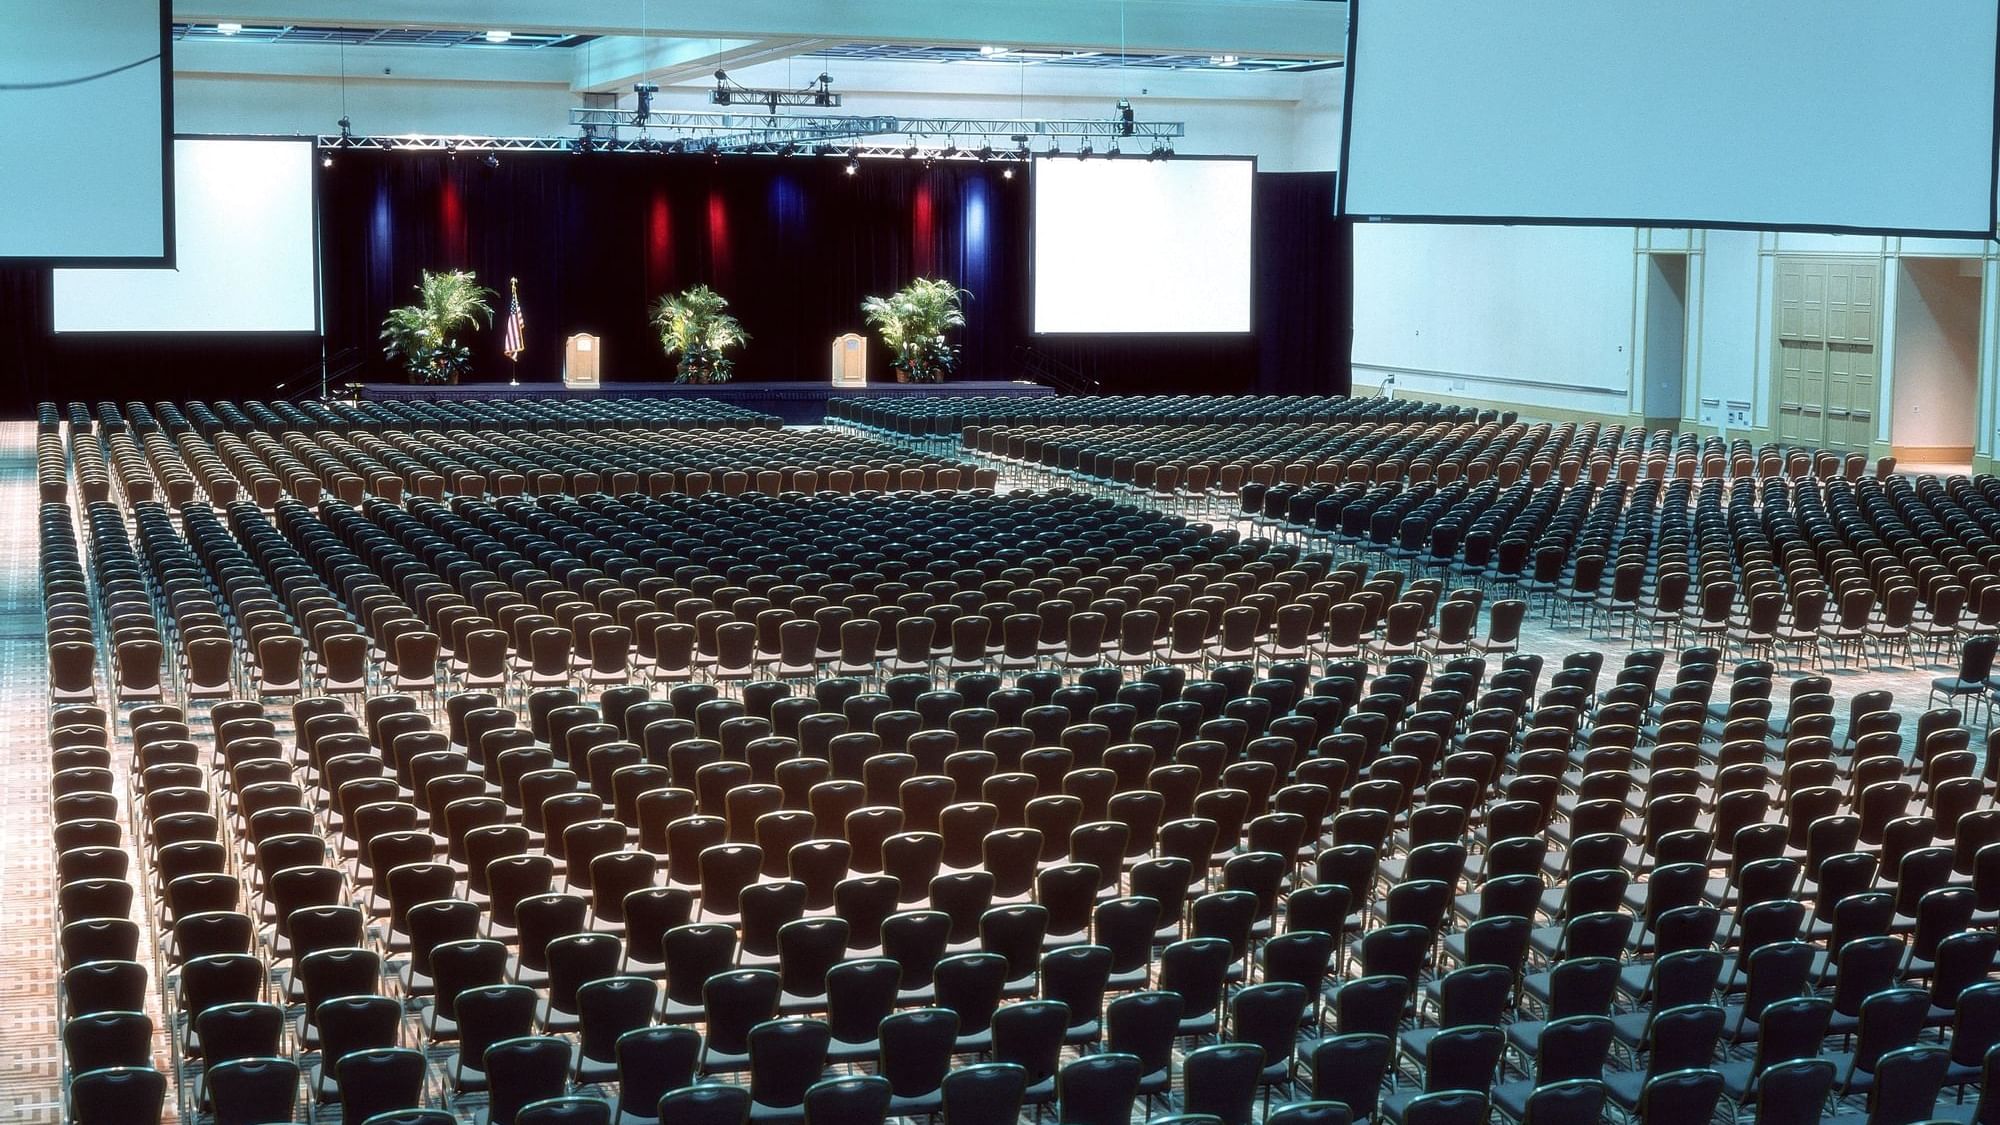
pixel 1055 147
pixel 911 152
pixel 853 166
pixel 787 149
pixel 985 153
pixel 490 160
pixel 326 160
pixel 1113 151
pixel 1006 173
pixel 1084 152
pixel 1124 117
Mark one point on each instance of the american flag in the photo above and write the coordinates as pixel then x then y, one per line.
pixel 517 325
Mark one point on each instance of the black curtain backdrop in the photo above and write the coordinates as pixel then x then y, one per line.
pixel 795 244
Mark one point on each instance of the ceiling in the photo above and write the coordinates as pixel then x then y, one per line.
pixel 371 36
pixel 985 55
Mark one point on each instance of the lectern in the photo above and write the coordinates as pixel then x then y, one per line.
pixel 580 358
pixel 850 361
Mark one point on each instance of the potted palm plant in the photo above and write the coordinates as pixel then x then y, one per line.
pixel 421 335
pixel 913 322
pixel 695 325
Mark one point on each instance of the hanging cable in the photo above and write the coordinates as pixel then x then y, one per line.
pixel 78 81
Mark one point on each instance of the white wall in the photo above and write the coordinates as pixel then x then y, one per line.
pixel 297 105
pixel 1528 316
pixel 1937 353
pixel 1289 122
pixel 1552 318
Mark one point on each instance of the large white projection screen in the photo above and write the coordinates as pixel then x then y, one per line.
pixel 1132 245
pixel 83 130
pixel 1838 114
pixel 243 255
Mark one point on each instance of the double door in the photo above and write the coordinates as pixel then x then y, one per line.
pixel 1828 336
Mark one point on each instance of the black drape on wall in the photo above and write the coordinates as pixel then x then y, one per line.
pixel 795 244
pixel 1303 299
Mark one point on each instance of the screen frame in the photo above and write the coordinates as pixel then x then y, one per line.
pixel 165 258
pixel 1034 230
pixel 317 331
pixel 1992 231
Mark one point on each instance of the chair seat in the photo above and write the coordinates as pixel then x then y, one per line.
pixel 551 1020
pixel 923 1105
pixel 1624 1087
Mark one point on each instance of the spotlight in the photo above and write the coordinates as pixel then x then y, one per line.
pixel 1055 147
pixel 451 149
pixel 346 132
pixel 1084 152
pixel 950 149
pixel 490 160
pixel 853 166
pixel 911 152
pixel 787 149
pixel 985 152
pixel 1113 150
pixel 326 160
pixel 1006 173
pixel 1125 117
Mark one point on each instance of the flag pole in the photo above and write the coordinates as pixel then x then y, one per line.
pixel 514 358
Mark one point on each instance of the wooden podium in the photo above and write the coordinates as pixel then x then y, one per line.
pixel 850 361
pixel 581 354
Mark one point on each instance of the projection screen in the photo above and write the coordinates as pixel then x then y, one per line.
pixel 244 254
pixel 85 115
pixel 1843 115
pixel 1135 245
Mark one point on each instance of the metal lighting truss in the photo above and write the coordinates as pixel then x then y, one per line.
pixel 736 132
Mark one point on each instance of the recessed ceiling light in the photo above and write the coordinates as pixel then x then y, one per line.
pixel 1223 60
pixel 229 28
pixel 992 50
pixel 499 36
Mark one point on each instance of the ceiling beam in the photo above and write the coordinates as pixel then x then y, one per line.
pixel 1244 27
pixel 616 63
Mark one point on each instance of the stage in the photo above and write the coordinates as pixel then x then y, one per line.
pixel 795 403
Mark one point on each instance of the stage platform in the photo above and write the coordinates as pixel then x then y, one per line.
pixel 795 403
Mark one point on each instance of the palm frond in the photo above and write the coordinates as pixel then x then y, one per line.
pixel 695 325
